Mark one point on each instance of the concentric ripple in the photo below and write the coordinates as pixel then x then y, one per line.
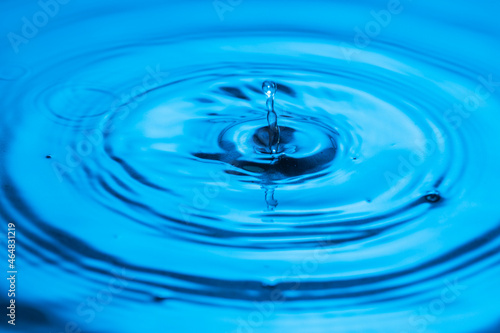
pixel 383 190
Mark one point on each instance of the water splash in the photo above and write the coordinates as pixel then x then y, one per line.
pixel 269 88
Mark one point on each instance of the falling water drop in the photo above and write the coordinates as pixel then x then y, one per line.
pixel 269 89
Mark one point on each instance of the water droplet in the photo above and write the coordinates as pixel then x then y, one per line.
pixel 433 196
pixel 269 88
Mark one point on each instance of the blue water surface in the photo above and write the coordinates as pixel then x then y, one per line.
pixel 135 165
